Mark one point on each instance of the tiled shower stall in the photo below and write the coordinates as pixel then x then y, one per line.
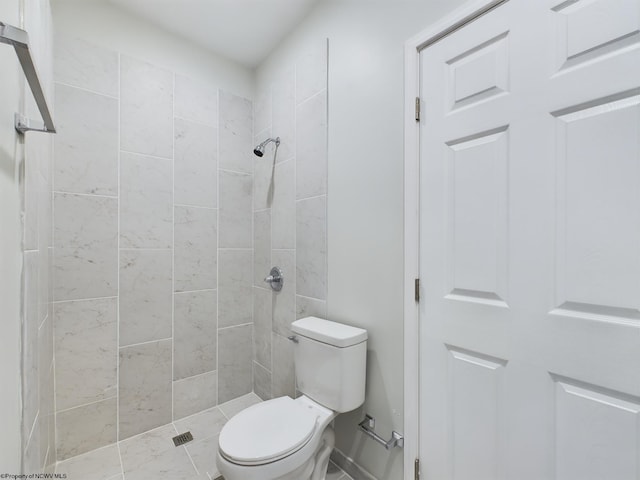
pixel 165 225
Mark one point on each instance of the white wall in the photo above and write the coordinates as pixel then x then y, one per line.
pixel 111 28
pixel 10 249
pixel 365 212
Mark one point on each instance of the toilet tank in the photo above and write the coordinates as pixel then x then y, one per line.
pixel 330 362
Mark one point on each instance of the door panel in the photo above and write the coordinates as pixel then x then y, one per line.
pixel 530 244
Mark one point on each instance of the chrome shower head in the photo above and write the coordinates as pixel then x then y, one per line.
pixel 259 150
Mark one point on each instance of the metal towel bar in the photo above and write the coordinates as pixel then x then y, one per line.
pixel 20 41
pixel 369 424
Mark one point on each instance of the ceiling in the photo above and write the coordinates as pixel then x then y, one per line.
pixel 242 30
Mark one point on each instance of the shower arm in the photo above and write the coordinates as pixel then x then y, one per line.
pixel 268 140
pixel 19 40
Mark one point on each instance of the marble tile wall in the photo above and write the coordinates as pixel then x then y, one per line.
pixel 290 219
pixel 153 246
pixel 36 157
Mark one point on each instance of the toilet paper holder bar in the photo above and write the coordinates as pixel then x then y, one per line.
pixel 368 426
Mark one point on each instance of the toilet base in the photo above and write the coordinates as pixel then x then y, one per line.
pixel 313 469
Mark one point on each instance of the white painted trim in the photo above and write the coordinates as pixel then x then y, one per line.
pixel 412 227
pixel 411 265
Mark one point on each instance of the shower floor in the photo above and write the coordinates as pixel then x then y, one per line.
pixel 153 455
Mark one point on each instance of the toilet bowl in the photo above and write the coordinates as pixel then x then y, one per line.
pixel 280 439
pixel 286 439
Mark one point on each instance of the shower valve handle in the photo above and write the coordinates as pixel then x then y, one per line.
pixel 275 279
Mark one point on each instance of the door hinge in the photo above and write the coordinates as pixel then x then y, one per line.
pixel 417 289
pixel 417 109
pixel 416 469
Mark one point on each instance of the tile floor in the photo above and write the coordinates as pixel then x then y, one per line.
pixel 153 455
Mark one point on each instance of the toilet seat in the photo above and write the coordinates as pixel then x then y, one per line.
pixel 267 432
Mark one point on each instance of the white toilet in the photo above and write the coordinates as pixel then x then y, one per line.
pixel 286 439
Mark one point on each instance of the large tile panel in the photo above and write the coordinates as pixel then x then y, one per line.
pixel 145 387
pixel 86 351
pixel 311 247
pixel 85 428
pixel 261 381
pixel 284 113
pixel 145 295
pixel 262 321
pixel 311 71
pixel 30 343
pixel 283 373
pixel 196 164
pixel 195 330
pixel 283 211
pixel 311 156
pixel 100 464
pixel 234 300
pixel 261 246
pixel 194 394
pixel 196 101
pixel 235 210
pixel 146 202
pixel 284 301
pixel 195 251
pixel 153 456
pixel 82 64
pixel 146 108
pixel 236 120
pixel 86 247
pixel 86 145
pixel 235 370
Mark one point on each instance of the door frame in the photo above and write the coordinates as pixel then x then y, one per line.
pixel 464 15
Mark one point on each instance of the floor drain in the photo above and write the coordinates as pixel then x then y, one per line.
pixel 182 439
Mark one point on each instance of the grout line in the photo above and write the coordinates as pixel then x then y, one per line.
pixel 262 366
pixel 117 359
pixel 253 260
pixel 173 245
pixel 185 119
pixel 87 404
pixel 58 302
pixel 209 372
pixel 40 326
pixel 311 97
pixel 32 430
pixel 226 170
pixel 326 180
pixel 311 198
pixel 187 205
pixel 235 326
pixel 52 285
pixel 311 298
pixel 295 208
pixel 129 152
pixel 61 192
pixel 191 459
pixel 150 249
pixel 87 90
pixel 191 416
pixel 218 248
pixel 182 292
pixel 144 343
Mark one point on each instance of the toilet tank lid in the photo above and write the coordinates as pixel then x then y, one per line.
pixel 332 333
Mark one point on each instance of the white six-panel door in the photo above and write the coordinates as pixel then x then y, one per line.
pixel 530 245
